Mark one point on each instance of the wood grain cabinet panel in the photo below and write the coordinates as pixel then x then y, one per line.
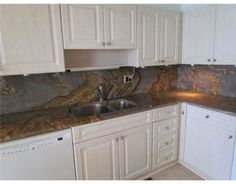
pixel 30 39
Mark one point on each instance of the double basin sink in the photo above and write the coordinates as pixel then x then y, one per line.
pixel 102 108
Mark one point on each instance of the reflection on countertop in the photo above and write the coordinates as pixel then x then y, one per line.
pixel 25 124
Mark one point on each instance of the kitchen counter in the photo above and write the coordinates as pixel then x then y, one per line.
pixel 25 124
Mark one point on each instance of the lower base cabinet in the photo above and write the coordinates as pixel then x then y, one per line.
pixel 209 143
pixel 125 155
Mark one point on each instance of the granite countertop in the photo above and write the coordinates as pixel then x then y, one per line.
pixel 19 125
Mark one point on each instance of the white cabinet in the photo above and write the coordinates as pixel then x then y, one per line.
pixel 99 26
pixel 198 36
pixel 149 28
pixel 30 39
pixel 209 142
pixel 118 148
pixel 97 159
pixel 83 26
pixel 225 39
pixel 209 35
pixel 158 36
pixel 120 26
pixel 126 155
pixel 170 36
pixel 135 152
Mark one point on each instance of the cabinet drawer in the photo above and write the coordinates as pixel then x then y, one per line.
pixel 213 118
pixel 165 127
pixel 165 157
pixel 164 143
pixel 165 112
pixel 110 126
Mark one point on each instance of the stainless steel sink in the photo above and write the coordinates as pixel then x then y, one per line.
pixel 102 108
pixel 91 109
pixel 121 104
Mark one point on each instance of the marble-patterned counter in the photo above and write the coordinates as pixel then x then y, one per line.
pixel 19 125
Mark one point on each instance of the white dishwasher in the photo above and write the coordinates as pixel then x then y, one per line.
pixel 43 157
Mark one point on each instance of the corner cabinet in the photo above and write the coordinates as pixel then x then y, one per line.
pixel 159 35
pixel 30 39
pixel 208 143
pixel 99 26
pixel 209 35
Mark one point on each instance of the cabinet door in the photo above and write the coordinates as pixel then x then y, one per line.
pixel 170 37
pixel 30 39
pixel 208 149
pixel 135 152
pixel 198 36
pixel 149 27
pixel 83 26
pixel 97 159
pixel 225 37
pixel 120 26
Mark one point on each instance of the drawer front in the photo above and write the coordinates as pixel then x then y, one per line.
pixel 106 127
pixel 165 112
pixel 165 143
pixel 165 157
pixel 165 127
pixel 213 118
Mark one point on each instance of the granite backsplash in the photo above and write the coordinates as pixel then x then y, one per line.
pixel 22 93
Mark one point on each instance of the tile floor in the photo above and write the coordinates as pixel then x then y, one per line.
pixel 176 172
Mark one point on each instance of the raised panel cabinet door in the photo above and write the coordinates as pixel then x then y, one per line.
pixel 30 39
pixel 225 37
pixel 198 36
pixel 170 35
pixel 97 159
pixel 135 152
pixel 83 26
pixel 120 26
pixel 208 149
pixel 149 28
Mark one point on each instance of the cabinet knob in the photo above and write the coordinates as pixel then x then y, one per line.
pixel 214 60
pixel 182 112
pixel 207 116
pixel 167 128
pixel 209 60
pixel 162 61
pixel 116 139
pixel 109 43
pixel 166 143
pixel 103 43
pixel 230 137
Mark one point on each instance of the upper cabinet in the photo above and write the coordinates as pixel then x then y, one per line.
pixel 170 36
pixel 225 35
pixel 120 26
pixel 158 36
pixel 209 35
pixel 99 26
pixel 198 36
pixel 149 27
pixel 83 26
pixel 30 39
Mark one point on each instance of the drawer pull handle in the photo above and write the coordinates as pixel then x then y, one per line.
pixel 207 116
pixel 230 137
pixel 167 128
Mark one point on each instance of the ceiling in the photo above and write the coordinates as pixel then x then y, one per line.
pixel 178 7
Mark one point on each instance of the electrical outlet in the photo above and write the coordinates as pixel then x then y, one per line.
pixel 128 79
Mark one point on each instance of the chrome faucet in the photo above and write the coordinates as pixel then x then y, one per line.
pixel 101 93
